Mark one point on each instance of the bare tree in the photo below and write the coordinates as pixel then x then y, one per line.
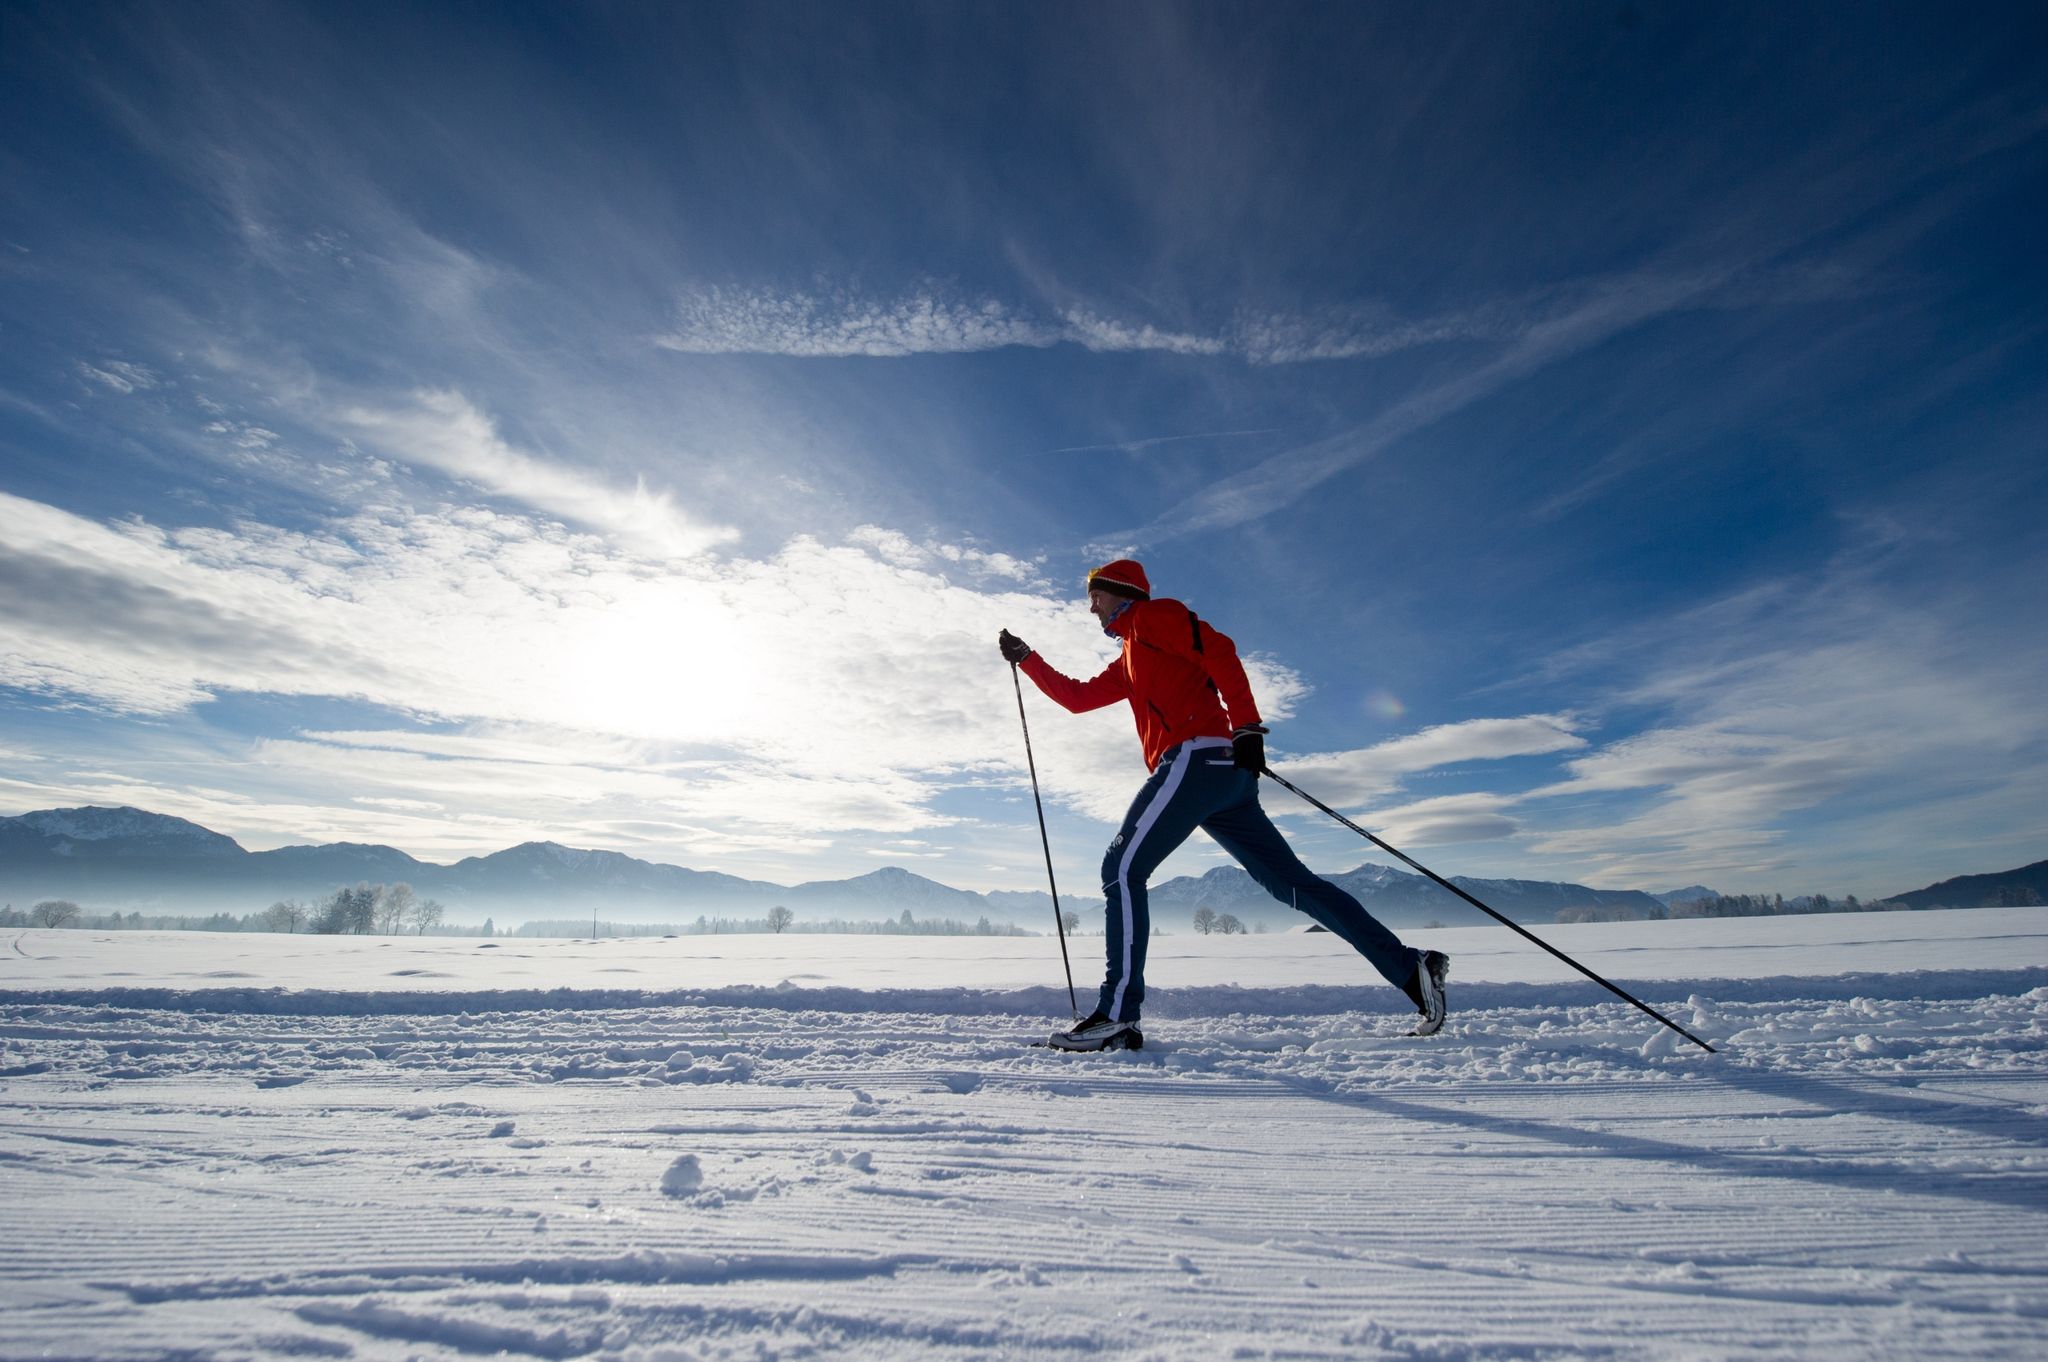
pixel 394 907
pixel 426 915
pixel 779 917
pixel 53 913
pixel 286 915
pixel 1073 920
pixel 1205 919
pixel 1229 925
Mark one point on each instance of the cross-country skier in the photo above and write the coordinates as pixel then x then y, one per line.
pixel 1206 747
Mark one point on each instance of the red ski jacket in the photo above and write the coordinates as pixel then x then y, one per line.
pixel 1182 678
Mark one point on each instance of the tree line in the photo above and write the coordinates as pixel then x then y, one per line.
pixel 1734 905
pixel 780 919
pixel 369 909
pixel 394 909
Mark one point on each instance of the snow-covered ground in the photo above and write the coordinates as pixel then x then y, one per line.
pixel 817 1146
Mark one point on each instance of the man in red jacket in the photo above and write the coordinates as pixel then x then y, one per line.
pixel 1206 748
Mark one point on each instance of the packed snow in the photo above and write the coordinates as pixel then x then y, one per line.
pixel 245 1146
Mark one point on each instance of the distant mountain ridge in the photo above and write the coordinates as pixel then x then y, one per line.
pixel 127 857
pixel 125 833
pixel 131 858
pixel 2025 886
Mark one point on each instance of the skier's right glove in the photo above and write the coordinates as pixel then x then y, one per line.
pixel 1014 649
pixel 1248 748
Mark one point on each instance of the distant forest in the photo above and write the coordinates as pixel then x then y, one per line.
pixel 1777 905
pixel 394 910
pixel 906 925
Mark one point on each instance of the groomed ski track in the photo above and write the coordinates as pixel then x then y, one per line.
pixel 834 1172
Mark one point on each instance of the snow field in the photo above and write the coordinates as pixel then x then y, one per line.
pixel 1862 1173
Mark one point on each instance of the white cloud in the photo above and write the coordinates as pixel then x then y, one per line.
pixel 1447 819
pixel 1357 778
pixel 827 681
pixel 816 693
pixel 759 707
pixel 444 430
pixel 1103 334
pixel 243 435
pixel 721 321
pixel 119 375
pixel 1831 728
pixel 1717 801
pixel 118 616
pixel 1297 340
pixel 900 549
pixel 838 323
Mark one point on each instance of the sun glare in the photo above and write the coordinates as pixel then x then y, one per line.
pixel 668 667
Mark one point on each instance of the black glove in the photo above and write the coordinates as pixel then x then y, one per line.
pixel 1248 746
pixel 1014 649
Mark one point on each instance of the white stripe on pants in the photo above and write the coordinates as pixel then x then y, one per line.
pixel 1123 869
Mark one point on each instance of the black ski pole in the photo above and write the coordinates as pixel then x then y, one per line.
pixel 1059 921
pixel 1395 851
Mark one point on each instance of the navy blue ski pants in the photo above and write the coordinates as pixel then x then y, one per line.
pixel 1198 785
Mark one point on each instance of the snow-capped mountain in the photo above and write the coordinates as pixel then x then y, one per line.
pixel 100 833
pixel 133 859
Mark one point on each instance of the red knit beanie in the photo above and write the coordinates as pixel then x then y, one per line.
pixel 1121 578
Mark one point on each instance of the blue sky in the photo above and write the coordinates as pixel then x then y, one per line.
pixel 1615 433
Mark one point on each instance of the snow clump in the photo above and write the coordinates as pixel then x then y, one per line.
pixel 685 1177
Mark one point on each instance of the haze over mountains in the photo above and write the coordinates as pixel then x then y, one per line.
pixel 129 859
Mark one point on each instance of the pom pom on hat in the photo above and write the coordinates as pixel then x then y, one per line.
pixel 1121 578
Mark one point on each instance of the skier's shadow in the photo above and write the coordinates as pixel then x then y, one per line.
pixel 2026 1191
pixel 2007 1121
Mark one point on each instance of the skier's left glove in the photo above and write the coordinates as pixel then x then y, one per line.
pixel 1248 747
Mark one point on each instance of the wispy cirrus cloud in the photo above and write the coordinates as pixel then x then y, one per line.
pixel 445 430
pixel 830 323
pixel 119 375
pixel 722 321
pixel 1794 711
pixel 1356 778
pixel 1612 307
pixel 1820 228
pixel 1139 446
pixel 1711 801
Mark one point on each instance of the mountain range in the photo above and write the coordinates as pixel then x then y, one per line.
pixel 2026 885
pixel 130 859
